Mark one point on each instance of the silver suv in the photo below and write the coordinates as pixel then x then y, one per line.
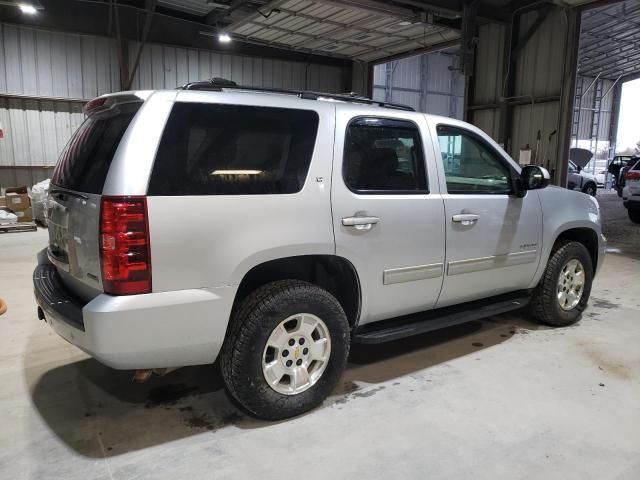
pixel 270 230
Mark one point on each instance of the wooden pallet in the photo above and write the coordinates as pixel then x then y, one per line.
pixel 18 227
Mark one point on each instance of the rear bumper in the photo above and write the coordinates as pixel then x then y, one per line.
pixel 166 329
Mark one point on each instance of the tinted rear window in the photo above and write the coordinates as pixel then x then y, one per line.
pixel 213 149
pixel 85 160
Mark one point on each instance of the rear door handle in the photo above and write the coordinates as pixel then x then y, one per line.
pixel 360 223
pixel 466 218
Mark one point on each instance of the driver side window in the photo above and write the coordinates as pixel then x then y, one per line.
pixel 471 166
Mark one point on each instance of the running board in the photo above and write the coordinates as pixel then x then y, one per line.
pixel 406 326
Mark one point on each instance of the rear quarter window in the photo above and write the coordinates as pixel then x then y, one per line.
pixel 84 163
pixel 216 149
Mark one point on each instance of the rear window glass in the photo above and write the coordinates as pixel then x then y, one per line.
pixel 214 149
pixel 85 160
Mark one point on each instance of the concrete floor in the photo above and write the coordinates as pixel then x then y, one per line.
pixel 502 398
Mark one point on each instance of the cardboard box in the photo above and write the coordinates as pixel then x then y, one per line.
pixel 17 201
pixel 3 201
pixel 16 190
pixel 24 215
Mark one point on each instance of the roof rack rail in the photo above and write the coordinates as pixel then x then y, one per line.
pixel 218 84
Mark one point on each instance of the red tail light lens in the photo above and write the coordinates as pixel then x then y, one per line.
pixel 124 245
pixel 632 175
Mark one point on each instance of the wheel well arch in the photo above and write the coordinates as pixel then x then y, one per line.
pixel 586 236
pixel 335 274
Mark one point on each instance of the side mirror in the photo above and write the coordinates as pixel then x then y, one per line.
pixel 534 177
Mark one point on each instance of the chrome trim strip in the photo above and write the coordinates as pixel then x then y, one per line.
pixel 487 263
pixel 411 274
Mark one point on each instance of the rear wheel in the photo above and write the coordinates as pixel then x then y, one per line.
pixel 634 215
pixel 563 291
pixel 286 349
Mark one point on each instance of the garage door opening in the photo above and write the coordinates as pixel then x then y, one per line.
pixel 608 59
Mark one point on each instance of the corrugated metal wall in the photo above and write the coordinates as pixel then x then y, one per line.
pixel 488 77
pixel 71 67
pixel 54 64
pixel 538 74
pixel 429 83
pixel 42 63
pixel 35 131
pixel 163 66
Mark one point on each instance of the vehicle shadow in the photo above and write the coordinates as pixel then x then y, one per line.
pixel 98 412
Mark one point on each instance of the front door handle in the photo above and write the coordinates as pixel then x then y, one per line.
pixel 360 223
pixel 466 218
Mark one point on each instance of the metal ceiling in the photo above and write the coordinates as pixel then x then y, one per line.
pixel 610 41
pixel 338 29
pixel 195 7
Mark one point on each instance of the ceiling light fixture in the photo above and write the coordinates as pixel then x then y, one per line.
pixel 224 37
pixel 27 9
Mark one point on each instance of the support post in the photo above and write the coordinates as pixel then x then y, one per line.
pixel 388 82
pixel 123 60
pixel 424 79
pixel 151 6
pixel 509 63
pixel 559 174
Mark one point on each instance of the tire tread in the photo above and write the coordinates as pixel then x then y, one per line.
pixel 244 322
pixel 543 301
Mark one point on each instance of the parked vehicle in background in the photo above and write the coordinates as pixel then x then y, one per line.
pixel 618 167
pixel 578 179
pixel 631 192
pixel 272 230
pixel 600 172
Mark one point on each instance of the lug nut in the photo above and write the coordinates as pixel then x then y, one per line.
pixel 285 353
pixel 301 341
pixel 292 342
pixel 299 362
pixel 305 351
pixel 289 363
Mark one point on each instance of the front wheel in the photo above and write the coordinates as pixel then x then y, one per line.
pixel 563 291
pixel 286 349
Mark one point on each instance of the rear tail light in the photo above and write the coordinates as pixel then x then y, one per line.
pixel 632 175
pixel 125 252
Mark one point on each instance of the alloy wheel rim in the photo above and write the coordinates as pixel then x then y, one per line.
pixel 296 354
pixel 570 285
